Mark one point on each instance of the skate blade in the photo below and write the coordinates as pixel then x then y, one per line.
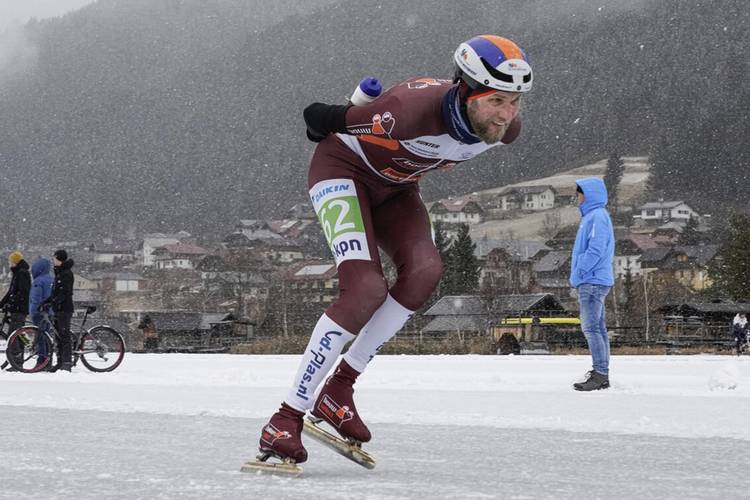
pixel 261 465
pixel 344 448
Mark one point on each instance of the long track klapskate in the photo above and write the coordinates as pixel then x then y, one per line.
pixel 269 463
pixel 261 464
pixel 349 449
pixel 280 440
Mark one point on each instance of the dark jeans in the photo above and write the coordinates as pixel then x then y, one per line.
pixel 151 343
pixel 62 325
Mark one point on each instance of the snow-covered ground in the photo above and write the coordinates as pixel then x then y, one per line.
pixel 179 426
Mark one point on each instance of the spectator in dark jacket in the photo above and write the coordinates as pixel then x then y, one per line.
pixel 41 289
pixel 150 334
pixel 16 300
pixel 740 331
pixel 61 301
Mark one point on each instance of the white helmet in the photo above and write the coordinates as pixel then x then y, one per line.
pixel 494 62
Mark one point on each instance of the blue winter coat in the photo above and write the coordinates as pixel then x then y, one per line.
pixel 594 249
pixel 42 284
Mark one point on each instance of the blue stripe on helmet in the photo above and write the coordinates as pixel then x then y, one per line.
pixel 487 51
pixel 491 52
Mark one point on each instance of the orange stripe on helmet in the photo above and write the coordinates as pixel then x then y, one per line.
pixel 509 48
pixel 478 94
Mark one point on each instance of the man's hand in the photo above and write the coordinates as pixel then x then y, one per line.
pixel 313 136
pixel 323 119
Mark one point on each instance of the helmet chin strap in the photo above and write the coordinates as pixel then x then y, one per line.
pixel 464 91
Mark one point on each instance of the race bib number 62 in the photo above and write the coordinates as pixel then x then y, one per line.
pixel 337 207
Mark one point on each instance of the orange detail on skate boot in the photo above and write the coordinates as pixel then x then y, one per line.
pixel 341 412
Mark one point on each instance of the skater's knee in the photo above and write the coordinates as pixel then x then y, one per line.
pixel 430 269
pixel 359 300
pixel 418 278
pixel 369 291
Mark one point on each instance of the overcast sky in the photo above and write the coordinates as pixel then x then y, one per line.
pixel 23 10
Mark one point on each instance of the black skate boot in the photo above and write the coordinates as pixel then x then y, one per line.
pixel 281 435
pixel 335 405
pixel 594 381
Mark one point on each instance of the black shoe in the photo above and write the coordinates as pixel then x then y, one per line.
pixel 594 381
pixel 66 367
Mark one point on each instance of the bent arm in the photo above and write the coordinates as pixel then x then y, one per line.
pixel 598 238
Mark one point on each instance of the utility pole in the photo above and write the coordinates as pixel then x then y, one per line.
pixel 283 302
pixel 645 297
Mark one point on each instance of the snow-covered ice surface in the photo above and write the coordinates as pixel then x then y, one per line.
pixel 180 426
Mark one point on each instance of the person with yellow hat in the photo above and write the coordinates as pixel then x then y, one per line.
pixel 16 300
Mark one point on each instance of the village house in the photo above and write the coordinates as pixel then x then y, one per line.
pixel 111 252
pixel 698 321
pixel 145 252
pixel 295 228
pixel 313 282
pixel 646 237
pixel 86 281
pixel 86 292
pixel 627 257
pixel 457 314
pixel 564 238
pixel 669 231
pixel 526 320
pixel 187 331
pixel 552 274
pixel 506 265
pixel 282 251
pixel 301 211
pixel 652 259
pixel 502 272
pixel 119 282
pixel 687 264
pixel 178 256
pixel 509 319
pixel 519 249
pixel 299 295
pixel 526 198
pixel 665 211
pixel 304 234
pixel 457 211
pixel 254 229
pixel 231 285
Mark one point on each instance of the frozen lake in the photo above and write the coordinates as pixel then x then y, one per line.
pixel 180 426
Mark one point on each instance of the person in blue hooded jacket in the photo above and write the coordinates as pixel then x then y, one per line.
pixel 591 274
pixel 41 289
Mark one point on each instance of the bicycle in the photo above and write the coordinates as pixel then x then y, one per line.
pixel 100 349
pixel 4 339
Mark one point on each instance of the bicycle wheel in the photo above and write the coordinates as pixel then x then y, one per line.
pixel 28 350
pixel 3 347
pixel 101 349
